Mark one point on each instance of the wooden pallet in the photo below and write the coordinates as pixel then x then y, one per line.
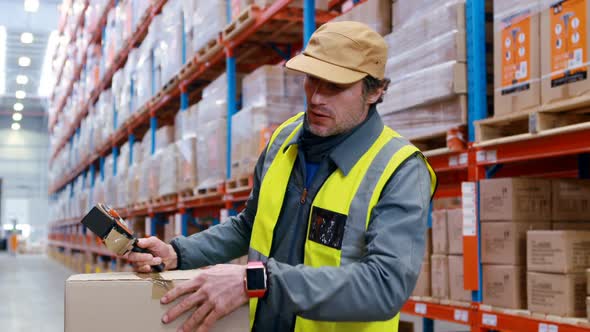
pixel 527 124
pixel 439 140
pixel 206 52
pixel 239 184
pixel 243 21
pixel 187 69
pixel 139 205
pixel 165 199
pixel 168 87
pixel 209 190
pixel 186 193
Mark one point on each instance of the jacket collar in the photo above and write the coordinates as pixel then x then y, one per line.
pixel 347 153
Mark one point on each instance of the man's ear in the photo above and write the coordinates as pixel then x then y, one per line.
pixel 374 96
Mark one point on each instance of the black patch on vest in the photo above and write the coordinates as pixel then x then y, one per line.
pixel 327 227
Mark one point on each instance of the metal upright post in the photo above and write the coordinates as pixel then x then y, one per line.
pixel 115 157
pixel 153 127
pixel 101 161
pixel 308 20
pixel 230 63
pixel 131 142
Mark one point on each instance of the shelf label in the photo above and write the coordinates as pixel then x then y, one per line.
pixel 461 315
pixel 480 156
pixel 148 226
pixel 228 197
pixel 420 308
pixel 178 224
pixel 453 161
pixel 492 155
pixel 223 215
pixel 489 319
pixel 463 159
pixel 548 328
pixel 469 208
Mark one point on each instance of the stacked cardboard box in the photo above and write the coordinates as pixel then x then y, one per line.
pixel 424 283
pixel 427 91
pixel 209 18
pixel 516 56
pixel 510 207
pixel 556 265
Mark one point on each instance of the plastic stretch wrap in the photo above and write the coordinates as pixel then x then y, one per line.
pixel 122 188
pixel 447 47
pixel 209 19
pixel 145 180
pixel 185 123
pixel 404 11
pixel 211 159
pixel 272 85
pixel 110 190
pixel 133 183
pixel 428 119
pixel 375 13
pixel 143 78
pixel 425 86
pixel 251 130
pixel 168 170
pixel 319 4
pixel 188 9
pixel 431 24
pixel 213 105
pixel 164 137
pixel 187 163
pixel 168 51
pixel 123 158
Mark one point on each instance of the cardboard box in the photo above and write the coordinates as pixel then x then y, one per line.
pixel 515 199
pixel 588 306
pixel 455 231
pixel 130 302
pixel 564 56
pixel 504 286
pixel 558 251
pixel 423 285
pixel 571 225
pixel 376 14
pixel 447 203
pixel 457 292
pixel 556 294
pixel 428 245
pixel 571 199
pixel 439 265
pixel 440 242
pixel 505 242
pixel 517 59
pixel 588 278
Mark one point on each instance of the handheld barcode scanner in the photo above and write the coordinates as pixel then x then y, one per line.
pixel 106 223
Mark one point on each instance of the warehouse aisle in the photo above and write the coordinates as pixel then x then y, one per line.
pixel 32 293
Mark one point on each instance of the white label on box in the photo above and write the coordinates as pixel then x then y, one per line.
pixel 453 161
pixel 148 226
pixel 492 155
pixel 553 328
pixel 547 328
pixel 489 319
pixel 469 210
pixel 178 224
pixel 223 215
pixel 463 159
pixel 480 156
pixel 461 315
pixel 420 308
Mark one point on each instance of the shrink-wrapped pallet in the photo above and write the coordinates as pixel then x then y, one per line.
pixel 209 18
pixel 212 147
pixel 168 170
pixel 274 85
pixel 376 14
pixel 187 163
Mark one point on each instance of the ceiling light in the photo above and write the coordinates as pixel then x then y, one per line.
pixel 26 38
pixel 24 61
pixel 20 94
pixel 17 116
pixel 15 126
pixel 18 107
pixel 31 5
pixel 46 82
pixel 2 59
pixel 22 79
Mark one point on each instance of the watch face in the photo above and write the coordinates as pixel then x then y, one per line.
pixel 255 279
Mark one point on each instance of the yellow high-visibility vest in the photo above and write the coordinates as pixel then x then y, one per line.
pixel 352 196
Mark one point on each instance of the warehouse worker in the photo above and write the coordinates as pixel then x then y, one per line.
pixel 334 226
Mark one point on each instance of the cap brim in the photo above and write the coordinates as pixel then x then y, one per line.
pixel 324 70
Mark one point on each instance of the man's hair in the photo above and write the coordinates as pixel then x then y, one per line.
pixel 370 84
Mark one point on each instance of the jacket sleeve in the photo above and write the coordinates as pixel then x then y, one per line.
pixel 376 287
pixel 223 242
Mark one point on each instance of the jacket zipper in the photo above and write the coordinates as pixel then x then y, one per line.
pixel 303 196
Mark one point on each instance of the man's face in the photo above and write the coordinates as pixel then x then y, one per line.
pixel 333 108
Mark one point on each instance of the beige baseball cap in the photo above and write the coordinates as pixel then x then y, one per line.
pixel 342 53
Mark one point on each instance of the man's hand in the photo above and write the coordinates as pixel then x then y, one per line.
pixel 161 252
pixel 214 293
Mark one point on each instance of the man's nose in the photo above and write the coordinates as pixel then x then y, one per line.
pixel 317 97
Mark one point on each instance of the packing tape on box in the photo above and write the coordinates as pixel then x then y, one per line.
pixel 160 286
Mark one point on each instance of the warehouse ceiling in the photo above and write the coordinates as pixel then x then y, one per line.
pixel 40 24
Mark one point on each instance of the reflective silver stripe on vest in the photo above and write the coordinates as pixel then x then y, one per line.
pixel 276 145
pixel 255 256
pixel 353 243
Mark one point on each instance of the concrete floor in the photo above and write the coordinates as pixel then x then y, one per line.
pixel 31 293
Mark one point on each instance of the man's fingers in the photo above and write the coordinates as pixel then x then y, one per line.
pixel 143 269
pixel 207 324
pixel 193 300
pixel 140 257
pixel 197 317
pixel 149 242
pixel 183 288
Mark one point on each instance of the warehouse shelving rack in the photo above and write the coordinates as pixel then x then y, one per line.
pixel 563 152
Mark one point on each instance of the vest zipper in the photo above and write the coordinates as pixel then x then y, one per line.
pixel 303 196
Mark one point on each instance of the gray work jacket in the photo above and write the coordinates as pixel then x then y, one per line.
pixel 375 288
